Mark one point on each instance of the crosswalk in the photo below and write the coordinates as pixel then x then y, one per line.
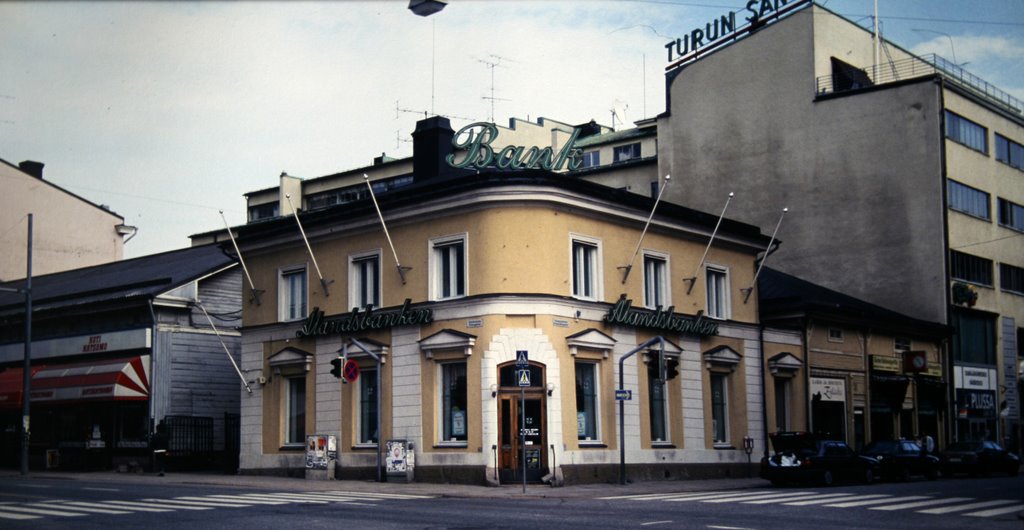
pixel 21 511
pixel 925 504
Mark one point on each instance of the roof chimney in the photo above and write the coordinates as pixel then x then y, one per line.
pixel 431 143
pixel 32 168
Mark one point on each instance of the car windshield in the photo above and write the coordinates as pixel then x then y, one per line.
pixel 881 448
pixel 963 446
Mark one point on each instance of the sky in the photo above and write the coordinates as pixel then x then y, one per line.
pixel 169 112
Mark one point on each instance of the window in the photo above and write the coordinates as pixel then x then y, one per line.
pixel 656 389
pixel 719 409
pixel 900 344
pixel 623 153
pixel 1011 214
pixel 364 280
pixel 453 397
pixel 368 406
pixel 970 268
pixel 263 211
pixel 1011 278
pixel 591 159
pixel 835 334
pixel 449 267
pixel 292 298
pixel 655 281
pixel 295 405
pixel 586 269
pixel 968 200
pixel 782 404
pixel 974 338
pixel 718 292
pixel 1009 152
pixel 586 401
pixel 966 132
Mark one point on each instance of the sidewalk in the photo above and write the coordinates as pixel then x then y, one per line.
pixel 416 488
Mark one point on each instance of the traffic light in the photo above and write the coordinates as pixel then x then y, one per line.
pixel 671 368
pixel 336 364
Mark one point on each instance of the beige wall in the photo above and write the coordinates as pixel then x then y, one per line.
pixel 67 231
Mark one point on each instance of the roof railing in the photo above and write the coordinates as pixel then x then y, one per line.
pixel 914 67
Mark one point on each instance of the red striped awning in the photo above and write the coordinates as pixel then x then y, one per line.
pixel 119 379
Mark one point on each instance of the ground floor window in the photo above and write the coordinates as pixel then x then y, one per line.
pixel 586 401
pixel 719 409
pixel 368 406
pixel 295 419
pixel 454 401
pixel 782 386
pixel 656 391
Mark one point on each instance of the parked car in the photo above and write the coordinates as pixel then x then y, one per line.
pixel 902 459
pixel 803 457
pixel 979 458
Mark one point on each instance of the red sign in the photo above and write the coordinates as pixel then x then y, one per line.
pixel 351 371
pixel 915 361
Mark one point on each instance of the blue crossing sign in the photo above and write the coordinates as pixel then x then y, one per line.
pixel 524 377
pixel 522 359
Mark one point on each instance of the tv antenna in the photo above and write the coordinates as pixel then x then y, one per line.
pixel 492 62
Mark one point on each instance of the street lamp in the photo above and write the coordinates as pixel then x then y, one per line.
pixel 425 8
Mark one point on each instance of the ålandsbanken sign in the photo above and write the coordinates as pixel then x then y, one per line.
pixel 317 325
pixel 623 313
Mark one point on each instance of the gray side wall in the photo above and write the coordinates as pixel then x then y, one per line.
pixel 861 175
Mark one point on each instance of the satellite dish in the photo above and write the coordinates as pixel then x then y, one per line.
pixel 618 111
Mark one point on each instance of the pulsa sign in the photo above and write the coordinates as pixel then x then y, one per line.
pixel 476 139
pixel 724 27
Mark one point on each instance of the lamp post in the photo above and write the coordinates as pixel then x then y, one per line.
pixel 26 382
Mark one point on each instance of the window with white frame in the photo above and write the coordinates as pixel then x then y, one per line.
pixel 657 403
pixel 718 292
pixel 292 293
pixel 626 152
pixel 656 290
pixel 591 159
pixel 587 428
pixel 295 407
pixel 453 402
pixel 835 334
pixel 368 396
pixel 448 262
pixel 586 268
pixel 719 408
pixel 901 344
pixel 364 280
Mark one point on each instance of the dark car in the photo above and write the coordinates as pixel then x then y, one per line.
pixel 902 459
pixel 979 458
pixel 803 457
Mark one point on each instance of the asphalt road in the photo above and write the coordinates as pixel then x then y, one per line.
pixel 960 503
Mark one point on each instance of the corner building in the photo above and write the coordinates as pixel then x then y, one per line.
pixel 493 265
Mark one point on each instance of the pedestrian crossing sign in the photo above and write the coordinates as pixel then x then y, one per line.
pixel 522 359
pixel 524 377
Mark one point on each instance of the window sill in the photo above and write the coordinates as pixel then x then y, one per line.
pixel 293 447
pixel 663 445
pixel 451 445
pixel 592 444
pixel 724 447
pixel 365 446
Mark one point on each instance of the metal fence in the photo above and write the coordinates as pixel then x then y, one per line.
pixel 924 65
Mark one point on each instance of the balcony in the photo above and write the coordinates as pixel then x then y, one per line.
pixel 848 79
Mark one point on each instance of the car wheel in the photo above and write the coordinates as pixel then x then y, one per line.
pixel 869 476
pixel 778 483
pixel 932 474
pixel 827 479
pixel 1014 470
pixel 905 474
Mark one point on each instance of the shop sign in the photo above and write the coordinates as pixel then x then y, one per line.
pixel 827 389
pixel 318 326
pixel 978 402
pixel 476 139
pixel 724 27
pixel 882 363
pixel 80 344
pixel 623 313
pixel 970 378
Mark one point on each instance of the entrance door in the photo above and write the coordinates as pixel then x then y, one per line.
pixel 522 426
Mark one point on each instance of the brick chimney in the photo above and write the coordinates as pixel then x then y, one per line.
pixel 32 168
